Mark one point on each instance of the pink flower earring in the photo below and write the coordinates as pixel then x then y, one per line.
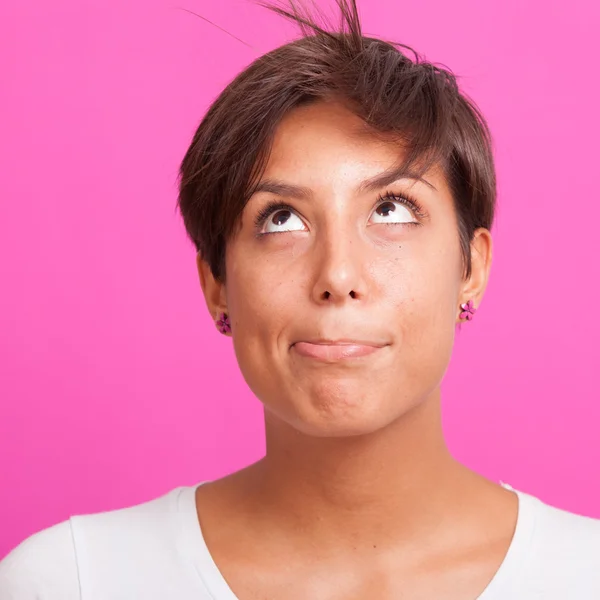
pixel 224 324
pixel 468 311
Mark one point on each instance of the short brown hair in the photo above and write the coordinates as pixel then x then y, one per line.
pixel 409 99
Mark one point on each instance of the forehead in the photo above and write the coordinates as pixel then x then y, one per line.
pixel 326 125
pixel 327 142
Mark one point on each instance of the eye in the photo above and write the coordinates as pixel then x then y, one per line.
pixel 393 210
pixel 283 220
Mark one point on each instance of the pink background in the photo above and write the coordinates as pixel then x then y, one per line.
pixel 114 385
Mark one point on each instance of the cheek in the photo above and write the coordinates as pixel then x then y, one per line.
pixel 421 278
pixel 253 304
pixel 259 291
pixel 265 279
pixel 263 296
pixel 423 293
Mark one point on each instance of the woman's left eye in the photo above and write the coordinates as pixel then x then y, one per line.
pixel 392 211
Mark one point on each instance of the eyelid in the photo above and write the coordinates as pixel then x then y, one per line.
pixel 268 209
pixel 272 207
pixel 404 198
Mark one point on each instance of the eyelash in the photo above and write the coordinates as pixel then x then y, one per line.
pixel 271 207
pixel 410 202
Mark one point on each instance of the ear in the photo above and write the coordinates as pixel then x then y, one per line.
pixel 474 287
pixel 213 289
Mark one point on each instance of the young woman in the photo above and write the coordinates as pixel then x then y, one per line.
pixel 340 195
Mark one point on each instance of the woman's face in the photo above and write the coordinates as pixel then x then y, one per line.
pixel 343 294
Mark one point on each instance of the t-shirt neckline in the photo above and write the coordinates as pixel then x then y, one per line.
pixel 504 583
pixel 195 550
pixel 194 547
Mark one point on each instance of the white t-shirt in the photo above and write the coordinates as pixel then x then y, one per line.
pixel 155 551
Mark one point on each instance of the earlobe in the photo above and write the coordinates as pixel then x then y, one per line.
pixel 223 324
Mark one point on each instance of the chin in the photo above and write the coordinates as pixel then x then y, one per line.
pixel 336 414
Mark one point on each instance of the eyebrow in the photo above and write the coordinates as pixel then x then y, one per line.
pixel 388 177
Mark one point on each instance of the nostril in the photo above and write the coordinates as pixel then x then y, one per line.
pixel 327 295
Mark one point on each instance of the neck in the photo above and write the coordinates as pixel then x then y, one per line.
pixel 399 478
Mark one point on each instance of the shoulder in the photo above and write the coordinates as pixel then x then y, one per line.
pixel 121 531
pixel 567 532
pixel 44 562
pixel 56 563
pixel 565 550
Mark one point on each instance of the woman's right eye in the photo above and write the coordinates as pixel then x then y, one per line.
pixel 283 220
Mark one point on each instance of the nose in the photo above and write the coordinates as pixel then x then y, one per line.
pixel 340 270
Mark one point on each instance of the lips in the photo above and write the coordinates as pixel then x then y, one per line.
pixel 336 350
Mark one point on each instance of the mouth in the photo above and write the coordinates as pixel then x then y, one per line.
pixel 335 350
